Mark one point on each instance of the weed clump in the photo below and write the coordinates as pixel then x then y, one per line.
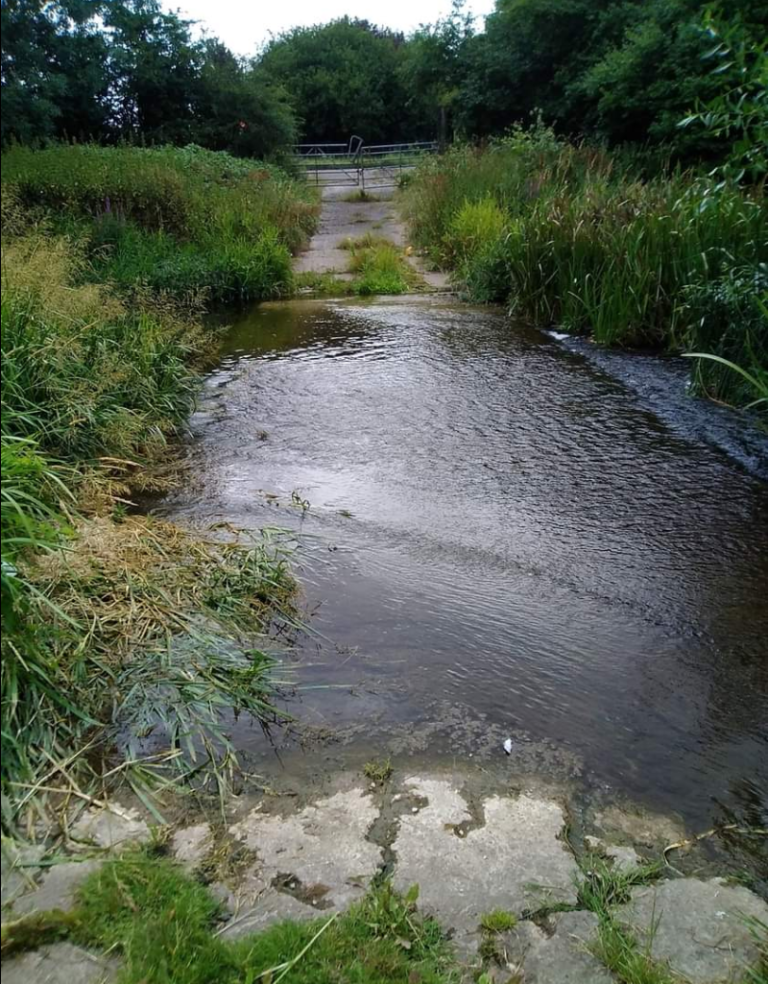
pixel 498 921
pixel 379 771
pixel 379 267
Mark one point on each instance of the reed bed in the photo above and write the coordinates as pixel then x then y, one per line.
pixel 565 236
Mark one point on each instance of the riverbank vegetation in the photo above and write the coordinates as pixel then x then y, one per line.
pixel 568 237
pixel 109 258
pixel 171 219
pixel 605 243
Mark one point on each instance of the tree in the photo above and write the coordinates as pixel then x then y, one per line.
pixel 342 79
pixel 432 70
pixel 112 69
pixel 235 110
pixel 53 69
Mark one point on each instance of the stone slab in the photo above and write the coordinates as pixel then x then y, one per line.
pixel 316 861
pixel 511 861
pixel 698 927
pixel 60 963
pixel 111 828
pixel 560 954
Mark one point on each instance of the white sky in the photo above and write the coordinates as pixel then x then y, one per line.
pixel 244 25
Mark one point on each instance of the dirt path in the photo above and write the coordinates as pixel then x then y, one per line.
pixel 347 215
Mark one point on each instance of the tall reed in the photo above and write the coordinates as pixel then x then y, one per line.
pixel 566 238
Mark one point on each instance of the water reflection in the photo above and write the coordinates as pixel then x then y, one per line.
pixel 499 525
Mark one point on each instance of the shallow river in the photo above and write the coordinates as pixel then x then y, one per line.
pixel 505 537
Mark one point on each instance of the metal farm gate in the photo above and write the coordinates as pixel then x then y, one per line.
pixel 356 164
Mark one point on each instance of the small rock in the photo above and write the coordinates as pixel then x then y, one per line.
pixel 60 963
pixel 115 826
pixel 191 844
pixel 624 858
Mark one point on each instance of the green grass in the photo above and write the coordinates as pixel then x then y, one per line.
pixel 379 267
pixel 110 619
pixel 601 890
pixel 498 921
pixel 322 284
pixel 163 925
pixel 177 220
pixel 566 237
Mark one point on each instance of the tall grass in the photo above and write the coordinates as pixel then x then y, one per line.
pixel 170 219
pixel 566 237
pixel 107 616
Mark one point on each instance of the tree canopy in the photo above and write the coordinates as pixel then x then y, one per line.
pixel 111 70
pixel 619 71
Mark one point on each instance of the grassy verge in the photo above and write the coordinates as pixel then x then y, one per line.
pixel 567 237
pixel 163 925
pixel 177 220
pixel 108 619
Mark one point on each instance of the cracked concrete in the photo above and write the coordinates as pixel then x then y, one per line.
pixel 558 954
pixel 512 860
pixel 317 859
pixel 340 220
pixel 472 845
pixel 699 927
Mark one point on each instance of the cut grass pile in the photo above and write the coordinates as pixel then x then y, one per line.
pixel 566 237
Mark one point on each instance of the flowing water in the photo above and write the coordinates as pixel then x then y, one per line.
pixel 505 537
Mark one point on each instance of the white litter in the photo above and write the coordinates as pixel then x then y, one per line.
pixel 508 746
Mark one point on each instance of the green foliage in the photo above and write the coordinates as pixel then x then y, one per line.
pixel 568 238
pixel 342 79
pixel 163 924
pixel 130 70
pixel 738 112
pixel 498 921
pixel 181 220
